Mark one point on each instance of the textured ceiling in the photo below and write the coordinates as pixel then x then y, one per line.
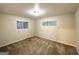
pixel 52 9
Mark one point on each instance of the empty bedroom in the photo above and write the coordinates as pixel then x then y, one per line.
pixel 39 28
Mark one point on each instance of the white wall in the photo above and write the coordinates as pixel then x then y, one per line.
pixel 67 29
pixel 47 32
pixel 64 32
pixel 8 32
pixel 77 28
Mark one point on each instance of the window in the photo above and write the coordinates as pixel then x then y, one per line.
pixel 22 25
pixel 49 23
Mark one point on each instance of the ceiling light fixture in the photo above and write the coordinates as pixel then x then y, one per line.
pixel 36 11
